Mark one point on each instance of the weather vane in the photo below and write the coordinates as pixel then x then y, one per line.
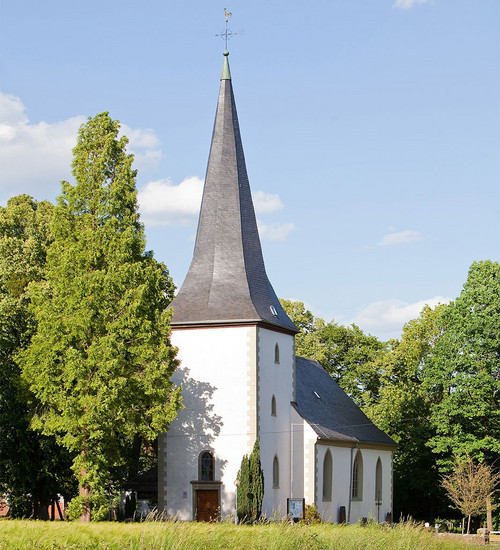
pixel 226 33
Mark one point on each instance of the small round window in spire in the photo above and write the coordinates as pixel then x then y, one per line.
pixel 273 311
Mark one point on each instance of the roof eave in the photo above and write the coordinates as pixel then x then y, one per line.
pixel 218 323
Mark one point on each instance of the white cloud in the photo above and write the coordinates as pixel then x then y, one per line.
pixel 266 203
pixel 403 237
pixel 144 144
pixel 11 110
pixel 35 157
pixel 274 231
pixel 408 4
pixel 385 319
pixel 163 203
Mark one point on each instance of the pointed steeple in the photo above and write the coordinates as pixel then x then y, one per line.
pixel 227 282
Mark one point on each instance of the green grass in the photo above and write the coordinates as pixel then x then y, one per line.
pixel 40 535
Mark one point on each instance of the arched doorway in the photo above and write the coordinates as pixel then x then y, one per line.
pixel 206 490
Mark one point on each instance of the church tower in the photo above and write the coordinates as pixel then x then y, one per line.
pixel 236 347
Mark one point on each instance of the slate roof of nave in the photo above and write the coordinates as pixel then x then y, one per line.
pixel 227 280
pixel 330 412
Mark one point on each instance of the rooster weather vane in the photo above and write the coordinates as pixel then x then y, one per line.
pixel 226 33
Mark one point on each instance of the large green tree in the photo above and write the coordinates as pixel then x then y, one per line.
pixel 33 468
pixel 100 362
pixel 463 371
pixel 308 341
pixel 462 374
pixel 402 410
pixel 352 359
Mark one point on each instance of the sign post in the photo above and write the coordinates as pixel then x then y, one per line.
pixel 296 508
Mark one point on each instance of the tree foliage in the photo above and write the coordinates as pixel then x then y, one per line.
pixel 308 341
pixel 470 485
pixel 250 490
pixel 402 410
pixel 100 362
pixel 462 373
pixel 33 469
pixel 352 359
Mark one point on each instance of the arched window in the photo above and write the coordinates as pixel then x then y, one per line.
pixel 378 481
pixel 206 466
pixel 277 354
pixel 357 477
pixel 276 473
pixel 273 406
pixel 327 476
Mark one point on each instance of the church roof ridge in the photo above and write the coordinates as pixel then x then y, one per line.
pixel 227 280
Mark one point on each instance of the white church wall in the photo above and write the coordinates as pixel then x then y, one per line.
pixel 329 509
pixel 218 376
pixel 365 506
pixel 275 379
pixel 229 377
pixel 304 458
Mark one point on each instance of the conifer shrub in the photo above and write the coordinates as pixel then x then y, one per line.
pixel 250 490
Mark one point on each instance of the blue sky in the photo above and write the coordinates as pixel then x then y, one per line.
pixel 371 131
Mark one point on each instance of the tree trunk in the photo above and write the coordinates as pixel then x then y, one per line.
pixel 41 509
pixel 468 525
pixel 84 490
pixel 489 518
pixel 85 493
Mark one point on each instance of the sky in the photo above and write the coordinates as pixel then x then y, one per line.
pixel 371 131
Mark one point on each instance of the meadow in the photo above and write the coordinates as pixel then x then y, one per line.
pixel 40 535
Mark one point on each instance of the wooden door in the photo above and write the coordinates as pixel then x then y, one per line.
pixel 207 505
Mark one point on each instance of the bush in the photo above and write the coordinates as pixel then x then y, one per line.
pixel 312 516
pixel 19 507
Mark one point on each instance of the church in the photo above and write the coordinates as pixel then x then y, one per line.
pixel 241 379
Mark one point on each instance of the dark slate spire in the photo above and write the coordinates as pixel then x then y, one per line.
pixel 227 281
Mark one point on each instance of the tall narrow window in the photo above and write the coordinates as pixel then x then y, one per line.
pixel 273 406
pixel 276 473
pixel 207 466
pixel 327 476
pixel 378 481
pixel 357 477
pixel 276 354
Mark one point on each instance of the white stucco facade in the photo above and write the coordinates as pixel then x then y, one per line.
pixel 229 377
pixel 275 379
pixel 239 381
pixel 218 378
pixel 365 504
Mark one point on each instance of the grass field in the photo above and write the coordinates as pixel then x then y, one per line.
pixel 39 535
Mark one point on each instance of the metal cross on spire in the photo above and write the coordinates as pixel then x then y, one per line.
pixel 226 33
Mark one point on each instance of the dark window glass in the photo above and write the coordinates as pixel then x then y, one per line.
pixel 207 466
